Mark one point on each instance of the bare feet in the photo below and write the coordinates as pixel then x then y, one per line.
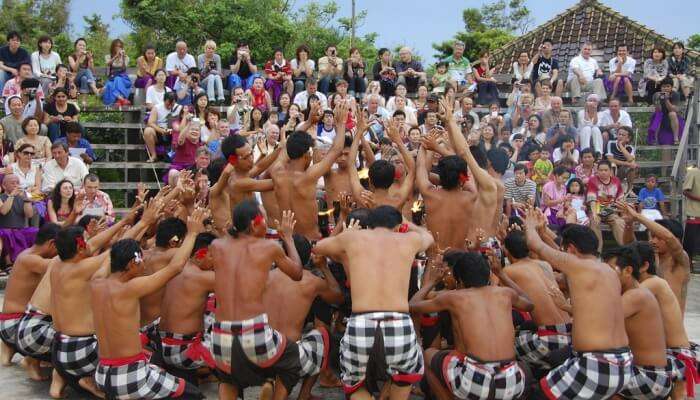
pixel 31 365
pixel 266 391
pixel 88 383
pixel 57 385
pixel 328 380
pixel 6 354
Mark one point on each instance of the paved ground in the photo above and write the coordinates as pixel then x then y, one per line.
pixel 14 384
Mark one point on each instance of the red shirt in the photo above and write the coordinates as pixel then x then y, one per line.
pixel 601 193
pixel 271 68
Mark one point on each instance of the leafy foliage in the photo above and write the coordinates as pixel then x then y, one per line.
pixel 694 42
pixel 34 18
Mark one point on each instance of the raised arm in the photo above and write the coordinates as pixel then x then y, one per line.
pixel 99 241
pixel 423 236
pixel 322 167
pixel 407 185
pixel 422 178
pixel 218 188
pixel 289 263
pixel 263 164
pixel 419 304
pixel 564 262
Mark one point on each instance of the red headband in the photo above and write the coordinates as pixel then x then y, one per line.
pixel 259 219
pixel 403 228
pixel 463 177
pixel 201 253
pixel 397 174
pixel 233 159
pixel 80 242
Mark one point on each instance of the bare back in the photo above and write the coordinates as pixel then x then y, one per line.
pixel 644 327
pixel 220 207
pixel 677 275
pixel 297 193
pixel 184 300
pixel 336 181
pixel 41 298
pixel 242 267
pixel 287 302
pixel 70 299
pixel 676 335
pixel 117 324
pixel 530 277
pixel 450 224
pixel 485 209
pixel 154 260
pixel 22 282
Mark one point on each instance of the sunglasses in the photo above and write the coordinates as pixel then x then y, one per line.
pixel 27 153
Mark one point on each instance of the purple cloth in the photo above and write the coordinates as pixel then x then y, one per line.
pixel 553 220
pixel 276 87
pixel 170 81
pixel 620 90
pixel 40 208
pixel 177 167
pixel 14 241
pixel 660 123
pixel 143 82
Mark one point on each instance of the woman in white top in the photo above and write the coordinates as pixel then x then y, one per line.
pixel 522 68
pixel 44 62
pixel 209 64
pixel 400 92
pixel 155 92
pixel 28 173
pixel 302 68
pixel 410 112
pixel 589 126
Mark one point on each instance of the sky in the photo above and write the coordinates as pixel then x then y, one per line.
pixel 420 23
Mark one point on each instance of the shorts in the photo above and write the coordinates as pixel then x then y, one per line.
pixel 35 334
pixel 74 357
pixel 185 351
pixel 468 378
pixel 589 375
pixel 249 352
pixel 8 328
pixel 313 351
pixel 390 338
pixel 134 378
pixel 686 366
pixel 649 383
pixel 533 346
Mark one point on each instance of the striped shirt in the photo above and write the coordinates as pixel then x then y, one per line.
pixel 520 193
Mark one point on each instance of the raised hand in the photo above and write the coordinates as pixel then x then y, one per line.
pixel 141 192
pixel 153 211
pixel 79 203
pixel 446 110
pixel 367 199
pixel 286 227
pixel 392 131
pixel 341 113
pixel 361 122
pixel 434 274
pixel 430 141
pixel 354 225
pixel 195 222
pixel 346 203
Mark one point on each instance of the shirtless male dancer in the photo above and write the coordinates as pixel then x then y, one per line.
pixel 296 181
pixel 181 327
pixel 379 283
pixel 219 202
pixel 288 302
pixel 124 371
pixel 536 279
pixel 74 349
pixel 25 276
pixel 652 373
pixel 244 345
pixel 482 365
pixel 677 344
pixel 382 173
pixel 602 363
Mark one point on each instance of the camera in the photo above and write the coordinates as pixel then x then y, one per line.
pixel 333 52
pixel 195 79
pixel 31 93
pixel 212 64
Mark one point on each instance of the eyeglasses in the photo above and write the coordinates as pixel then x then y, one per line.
pixel 27 153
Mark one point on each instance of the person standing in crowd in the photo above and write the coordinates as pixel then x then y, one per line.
pixel 210 64
pixel 691 191
pixel 546 67
pixel 44 62
pixel 585 75
pixel 12 55
pixel 485 81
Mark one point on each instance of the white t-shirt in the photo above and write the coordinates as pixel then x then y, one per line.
pixel 154 97
pixel 163 113
pixel 557 155
pixel 45 66
pixel 75 171
pixel 587 67
pixel 605 119
pixel 28 180
pixel 628 66
pixel 173 62
pixel 309 63
pixel 303 97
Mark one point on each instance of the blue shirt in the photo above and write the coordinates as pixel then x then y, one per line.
pixel 82 144
pixel 650 199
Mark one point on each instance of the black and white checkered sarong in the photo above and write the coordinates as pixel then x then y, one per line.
pixel 75 356
pixel 313 351
pixel 469 378
pixel 8 328
pixel 590 375
pixel 397 349
pixel 135 378
pixel 35 334
pixel 649 383
pixel 533 347
pixel 261 344
pixel 185 351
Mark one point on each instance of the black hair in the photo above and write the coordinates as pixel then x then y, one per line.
pixel 471 269
pixel 202 241
pixel 12 35
pixel 381 174
pixel 520 167
pixel 566 138
pixel 449 170
pixel 123 251
pixel 29 83
pixel 587 150
pixel 47 232
pixel 646 255
pixel 299 144
pixel 605 162
pixel 666 81
pixel 360 215
pixel 498 159
pixel 348 141
pixel 193 70
pixel 169 96
pixel 381 51
pixel 384 217
pixel 506 147
pixel 580 184
pixel 581 237
pixel 625 256
pixel 399 112
pixel 673 226
pixel 547 40
pixel 73 126
pixel 56 195
pixel 215 168
pixel 516 244
pixel 84 221
pixel 303 247
pixel 243 214
pixel 66 246
pixel 515 220
pixel 231 143
pixel 479 156
pixel 168 228
pixel 559 170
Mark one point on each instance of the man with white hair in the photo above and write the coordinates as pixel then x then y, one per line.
pixel 410 71
pixel 178 62
pixel 585 74
pixel 458 66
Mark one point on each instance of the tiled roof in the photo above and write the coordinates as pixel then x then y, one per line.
pixel 589 20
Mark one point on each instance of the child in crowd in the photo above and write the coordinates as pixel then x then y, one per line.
pixel 577 193
pixel 541 170
pixel 441 78
pixel 652 202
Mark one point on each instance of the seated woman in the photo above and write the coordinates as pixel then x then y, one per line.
pixel 146 67
pixel 355 73
pixel 544 101
pixel 554 196
pixel 29 174
pixel 156 91
pixel 383 72
pixel 59 112
pixel 302 68
pixel 42 144
pixel 256 123
pixel 44 62
pixel 680 69
pixel 82 66
pixel 211 133
pixel 401 91
pixel 64 80
pixel 522 68
pixel 655 70
pixel 589 133
pixel 118 86
pixel 279 76
pixel 7 151
pixel 210 65
pixel 485 81
pixel 60 206
pixel 186 141
pixel 15 210
pixel 258 97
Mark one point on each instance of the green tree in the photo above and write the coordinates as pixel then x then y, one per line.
pixel 33 18
pixel 488 28
pixel 96 35
pixel 694 42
